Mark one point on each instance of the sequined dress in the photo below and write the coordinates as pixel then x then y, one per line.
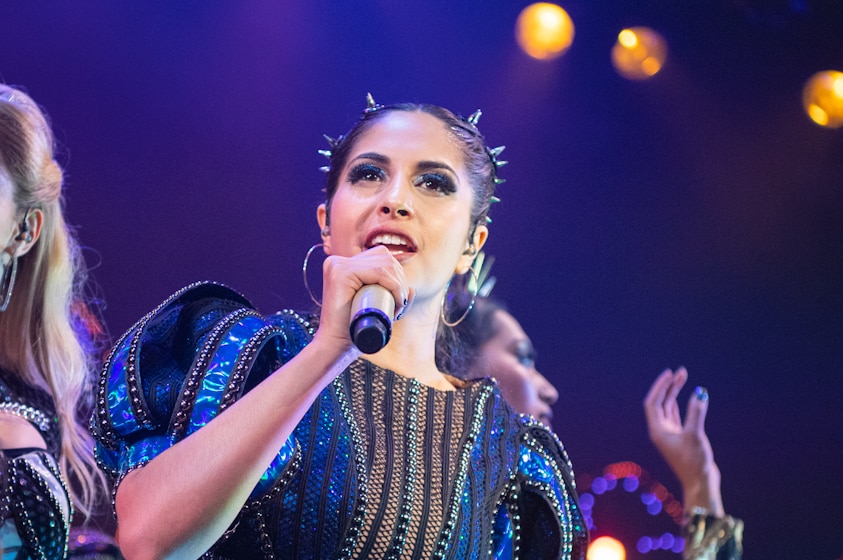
pixel 35 507
pixel 380 466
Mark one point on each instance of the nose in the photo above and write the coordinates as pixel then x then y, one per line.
pixel 397 198
pixel 547 392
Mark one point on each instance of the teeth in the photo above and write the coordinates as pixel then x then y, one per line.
pixel 388 239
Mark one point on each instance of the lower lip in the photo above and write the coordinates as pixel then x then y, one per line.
pixel 401 256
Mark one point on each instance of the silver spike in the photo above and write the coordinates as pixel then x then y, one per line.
pixel 500 163
pixel 371 106
pixel 325 169
pixel 499 181
pixel 488 220
pixel 495 152
pixel 326 153
pixel 474 118
pixel 332 142
pixel 494 200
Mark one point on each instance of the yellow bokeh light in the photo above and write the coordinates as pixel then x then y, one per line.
pixel 544 31
pixel 606 548
pixel 639 53
pixel 822 98
pixel 627 38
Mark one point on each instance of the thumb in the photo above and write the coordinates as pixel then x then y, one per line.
pixel 697 409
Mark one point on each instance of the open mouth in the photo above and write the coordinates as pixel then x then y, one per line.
pixel 396 243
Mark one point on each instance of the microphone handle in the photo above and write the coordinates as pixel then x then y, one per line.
pixel 370 325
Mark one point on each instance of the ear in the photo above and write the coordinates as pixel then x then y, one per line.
pixel 324 229
pixel 34 221
pixel 481 233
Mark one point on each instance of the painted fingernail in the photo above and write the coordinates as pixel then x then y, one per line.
pixel 406 301
pixel 701 393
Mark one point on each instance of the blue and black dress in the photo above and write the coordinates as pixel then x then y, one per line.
pixel 380 466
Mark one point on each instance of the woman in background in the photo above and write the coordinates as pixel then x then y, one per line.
pixel 497 346
pixel 45 345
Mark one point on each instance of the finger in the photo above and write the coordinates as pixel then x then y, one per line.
pixel 655 396
pixel 654 401
pixel 411 294
pixel 697 410
pixel 390 275
pixel 678 381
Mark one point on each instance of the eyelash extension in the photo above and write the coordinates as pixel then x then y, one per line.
pixel 436 182
pixel 365 172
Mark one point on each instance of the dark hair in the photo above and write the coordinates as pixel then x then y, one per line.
pixel 478 163
pixel 460 345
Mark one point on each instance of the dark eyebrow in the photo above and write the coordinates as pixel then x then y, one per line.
pixel 421 166
pixel 430 165
pixel 374 156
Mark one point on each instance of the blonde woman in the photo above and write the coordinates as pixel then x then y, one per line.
pixel 44 333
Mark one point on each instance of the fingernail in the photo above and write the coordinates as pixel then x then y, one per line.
pixel 406 302
pixel 701 393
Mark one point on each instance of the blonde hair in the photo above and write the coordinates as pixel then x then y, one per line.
pixel 39 341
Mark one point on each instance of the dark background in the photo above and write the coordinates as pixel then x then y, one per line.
pixel 693 219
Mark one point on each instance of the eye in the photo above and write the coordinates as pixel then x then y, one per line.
pixel 525 354
pixel 365 172
pixel 435 182
pixel 526 360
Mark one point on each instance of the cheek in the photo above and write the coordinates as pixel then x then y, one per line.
pixel 517 388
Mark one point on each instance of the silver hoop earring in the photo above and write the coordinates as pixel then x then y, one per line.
pixel 304 273
pixel 467 309
pixel 8 283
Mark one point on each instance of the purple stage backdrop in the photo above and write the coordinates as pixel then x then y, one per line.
pixel 692 219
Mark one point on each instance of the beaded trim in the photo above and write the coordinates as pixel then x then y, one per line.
pixel 306 324
pixel 105 433
pixel 462 472
pixel 530 422
pixel 42 489
pixel 408 497
pixel 179 424
pixel 556 494
pixel 512 507
pixel 27 413
pixel 245 361
pixel 360 509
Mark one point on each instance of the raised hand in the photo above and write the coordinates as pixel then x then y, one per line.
pixel 684 445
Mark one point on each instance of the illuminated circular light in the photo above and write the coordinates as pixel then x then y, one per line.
pixel 544 31
pixel 599 485
pixel 639 53
pixel 654 507
pixel 822 98
pixel 606 548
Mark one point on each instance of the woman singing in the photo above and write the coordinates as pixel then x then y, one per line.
pixel 237 435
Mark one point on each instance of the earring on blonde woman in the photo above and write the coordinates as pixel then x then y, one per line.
pixel 9 272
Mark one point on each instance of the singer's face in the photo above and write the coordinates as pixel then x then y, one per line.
pixel 405 186
pixel 510 358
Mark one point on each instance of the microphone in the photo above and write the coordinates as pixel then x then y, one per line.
pixel 372 310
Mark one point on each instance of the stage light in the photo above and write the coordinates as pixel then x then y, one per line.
pixel 606 548
pixel 639 53
pixel 544 31
pixel 822 98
